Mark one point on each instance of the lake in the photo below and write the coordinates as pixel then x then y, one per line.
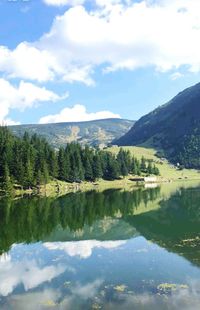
pixel 115 249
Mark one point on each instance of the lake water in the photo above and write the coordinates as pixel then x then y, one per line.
pixel 110 250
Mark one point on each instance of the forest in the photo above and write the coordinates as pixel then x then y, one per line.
pixel 31 161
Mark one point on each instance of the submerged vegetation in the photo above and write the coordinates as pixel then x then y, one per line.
pixel 31 162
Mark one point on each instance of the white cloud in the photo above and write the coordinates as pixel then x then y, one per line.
pixel 63 2
pixel 77 113
pixel 25 95
pixel 129 35
pixel 82 248
pixel 27 62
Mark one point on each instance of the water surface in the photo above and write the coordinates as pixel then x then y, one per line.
pixel 110 250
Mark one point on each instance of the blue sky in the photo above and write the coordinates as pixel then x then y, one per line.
pixel 72 60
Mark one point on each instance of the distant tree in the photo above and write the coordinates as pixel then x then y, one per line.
pixel 150 168
pixel 143 164
pixel 155 170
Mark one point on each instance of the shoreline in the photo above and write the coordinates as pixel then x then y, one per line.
pixel 57 188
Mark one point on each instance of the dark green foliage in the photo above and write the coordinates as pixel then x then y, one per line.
pixel 143 166
pixel 123 162
pixel 97 167
pixel 88 170
pixel 31 162
pixel 112 169
pixel 6 179
pixel 150 168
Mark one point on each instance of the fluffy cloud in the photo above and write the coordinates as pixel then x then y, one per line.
pixel 77 113
pixel 82 248
pixel 27 62
pixel 129 35
pixel 25 95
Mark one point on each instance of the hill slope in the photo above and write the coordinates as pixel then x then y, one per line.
pixel 173 127
pixel 93 133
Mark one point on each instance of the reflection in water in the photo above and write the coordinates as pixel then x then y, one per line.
pixel 83 249
pixel 26 272
pixel 176 225
pixel 115 249
pixel 41 216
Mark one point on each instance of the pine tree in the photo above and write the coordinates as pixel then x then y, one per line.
pixel 45 173
pixel 28 178
pixel 97 169
pixel 62 165
pixel 53 164
pixel 112 170
pixel 7 185
pixel 156 170
pixel 88 170
pixel 150 168
pixel 143 164
pixel 122 162
pixel 124 170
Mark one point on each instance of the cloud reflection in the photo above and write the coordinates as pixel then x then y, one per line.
pixel 28 273
pixel 84 248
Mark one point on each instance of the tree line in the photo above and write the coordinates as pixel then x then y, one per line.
pixel 31 161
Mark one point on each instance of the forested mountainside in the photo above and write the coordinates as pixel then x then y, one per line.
pixel 173 127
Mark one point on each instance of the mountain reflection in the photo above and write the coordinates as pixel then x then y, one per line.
pixel 175 225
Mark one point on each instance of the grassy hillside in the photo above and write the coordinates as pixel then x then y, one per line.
pixel 93 133
pixel 167 170
pixel 173 127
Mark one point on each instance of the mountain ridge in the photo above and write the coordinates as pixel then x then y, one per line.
pixel 173 127
pixel 94 133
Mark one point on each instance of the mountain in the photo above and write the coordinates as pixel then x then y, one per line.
pixel 173 128
pixel 98 132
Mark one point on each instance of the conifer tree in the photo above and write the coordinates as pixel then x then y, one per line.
pixel 150 168
pixel 97 168
pixel 143 164
pixel 62 165
pixel 7 185
pixel 88 170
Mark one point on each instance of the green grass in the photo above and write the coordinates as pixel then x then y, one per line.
pixel 167 171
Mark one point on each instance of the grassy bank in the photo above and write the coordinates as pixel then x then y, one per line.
pixel 58 188
pixel 167 170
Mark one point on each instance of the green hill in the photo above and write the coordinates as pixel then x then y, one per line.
pixel 173 128
pixel 93 133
